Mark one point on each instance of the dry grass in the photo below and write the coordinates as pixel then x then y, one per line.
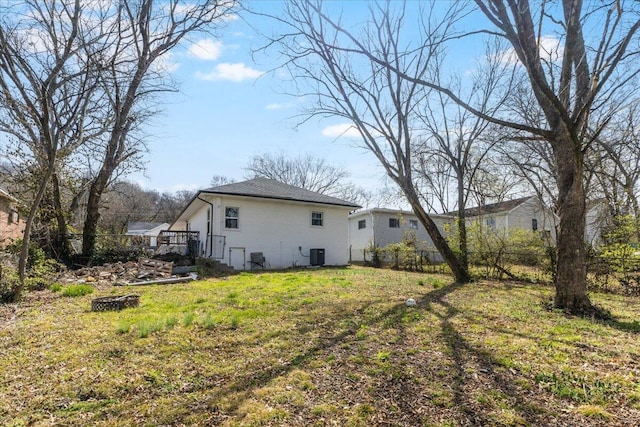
pixel 321 347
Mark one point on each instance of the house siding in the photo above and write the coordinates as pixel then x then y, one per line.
pixel 378 232
pixel 275 228
pixel 520 217
pixel 9 228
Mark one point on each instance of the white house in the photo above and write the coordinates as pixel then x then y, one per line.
pixel 381 227
pixel 262 223
pixel 527 213
pixel 145 233
pixel 598 218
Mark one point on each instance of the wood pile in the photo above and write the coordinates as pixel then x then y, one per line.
pixel 119 272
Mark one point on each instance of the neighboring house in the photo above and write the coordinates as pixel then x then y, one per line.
pixel 527 213
pixel 262 223
pixel 145 234
pixel 380 227
pixel 11 225
pixel 598 219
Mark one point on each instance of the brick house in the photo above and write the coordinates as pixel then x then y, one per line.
pixel 11 224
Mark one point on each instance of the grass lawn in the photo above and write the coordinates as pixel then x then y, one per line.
pixel 319 348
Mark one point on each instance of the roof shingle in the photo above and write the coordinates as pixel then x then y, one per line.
pixel 272 189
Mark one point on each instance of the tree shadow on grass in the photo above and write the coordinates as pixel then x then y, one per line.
pixel 461 353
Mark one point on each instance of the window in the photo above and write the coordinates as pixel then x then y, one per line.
pixel 13 217
pixel 316 219
pixel 413 223
pixel 231 215
pixel 362 224
pixel 491 222
pixel 534 224
pixel 394 223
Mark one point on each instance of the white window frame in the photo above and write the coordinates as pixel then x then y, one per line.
pixel 320 218
pixel 363 223
pixel 491 222
pixel 228 218
pixel 413 224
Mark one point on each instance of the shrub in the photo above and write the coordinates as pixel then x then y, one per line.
pixel 9 281
pixel 77 290
pixel 376 254
pixel 495 250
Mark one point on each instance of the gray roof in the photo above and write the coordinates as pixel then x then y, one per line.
pixel 271 189
pixel 493 208
pixel 138 226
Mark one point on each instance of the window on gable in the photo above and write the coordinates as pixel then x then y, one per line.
pixel 362 224
pixel 394 223
pixel 317 219
pixel 534 224
pixel 231 216
pixel 413 223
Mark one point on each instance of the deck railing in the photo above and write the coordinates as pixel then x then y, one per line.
pixel 185 242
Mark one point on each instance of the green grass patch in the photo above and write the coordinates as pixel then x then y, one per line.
pixel 319 347
pixel 76 290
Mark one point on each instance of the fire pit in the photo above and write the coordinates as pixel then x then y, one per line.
pixel 115 303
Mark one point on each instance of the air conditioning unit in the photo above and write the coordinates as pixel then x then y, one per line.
pixel 317 256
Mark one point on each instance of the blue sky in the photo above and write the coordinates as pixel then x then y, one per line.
pixel 230 108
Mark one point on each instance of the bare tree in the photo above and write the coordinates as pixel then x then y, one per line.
pixel 48 102
pixel 308 172
pixel 140 35
pixel 579 75
pixel 380 103
pixel 454 144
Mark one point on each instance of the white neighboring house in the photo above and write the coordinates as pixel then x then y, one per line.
pixel 145 233
pixel 527 213
pixel 289 226
pixel 381 227
pixel 598 219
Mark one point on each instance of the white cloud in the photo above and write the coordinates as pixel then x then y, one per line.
pixel 165 63
pixel 551 50
pixel 234 72
pixel 344 129
pixel 279 106
pixel 206 49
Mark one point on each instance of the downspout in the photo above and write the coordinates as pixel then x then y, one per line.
pixel 210 225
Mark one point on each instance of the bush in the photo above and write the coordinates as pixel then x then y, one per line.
pixel 9 281
pixel 376 253
pixel 496 250
pixel 39 267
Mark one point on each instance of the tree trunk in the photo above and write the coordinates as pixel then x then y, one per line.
pixel 462 225
pixel 460 271
pixel 61 243
pixel 24 252
pixel 571 277
pixel 90 229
